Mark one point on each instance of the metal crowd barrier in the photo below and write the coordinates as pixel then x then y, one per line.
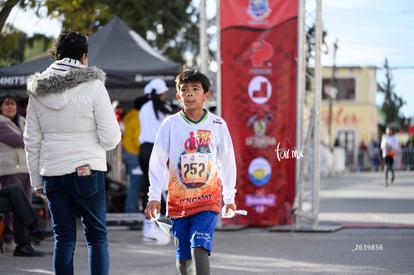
pixel 404 160
pixel 407 158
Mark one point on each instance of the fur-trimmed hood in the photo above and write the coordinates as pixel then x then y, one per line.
pixel 40 85
pixel 56 90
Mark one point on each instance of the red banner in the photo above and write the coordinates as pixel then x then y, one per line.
pixel 259 49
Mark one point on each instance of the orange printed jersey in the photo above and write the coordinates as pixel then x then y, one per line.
pixel 200 159
pixel 195 185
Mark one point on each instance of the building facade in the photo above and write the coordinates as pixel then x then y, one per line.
pixel 349 112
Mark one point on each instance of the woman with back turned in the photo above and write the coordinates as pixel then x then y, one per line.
pixel 70 125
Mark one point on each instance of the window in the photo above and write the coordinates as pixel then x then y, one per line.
pixel 345 87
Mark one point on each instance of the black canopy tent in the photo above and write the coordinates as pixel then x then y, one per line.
pixel 128 60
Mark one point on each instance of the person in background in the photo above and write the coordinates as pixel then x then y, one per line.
pixel 130 155
pixel 13 199
pixel 151 115
pixel 70 126
pixel 374 154
pixel 197 175
pixel 119 115
pixel 362 156
pixel 389 147
pixel 13 165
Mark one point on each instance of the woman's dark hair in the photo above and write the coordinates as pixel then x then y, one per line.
pixel 5 95
pixel 158 104
pixel 192 76
pixel 70 44
pixel 139 101
pixel 8 95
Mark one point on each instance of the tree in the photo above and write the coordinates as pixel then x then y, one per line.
pixel 12 41
pixel 84 16
pixel 37 44
pixel 15 46
pixel 168 26
pixel 165 24
pixel 11 46
pixel 392 104
pixel 7 5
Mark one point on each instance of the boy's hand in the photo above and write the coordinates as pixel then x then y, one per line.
pixel 231 206
pixel 152 210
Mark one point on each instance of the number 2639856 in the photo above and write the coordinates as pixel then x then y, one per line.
pixel 368 247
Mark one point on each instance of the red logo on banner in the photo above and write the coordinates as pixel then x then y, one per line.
pixel 261 51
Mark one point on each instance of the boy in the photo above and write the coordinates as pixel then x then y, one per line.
pixel 194 173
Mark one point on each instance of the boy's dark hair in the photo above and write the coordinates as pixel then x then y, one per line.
pixel 70 44
pixel 192 76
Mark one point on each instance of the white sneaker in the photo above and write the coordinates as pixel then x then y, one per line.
pixel 9 246
pixel 136 171
pixel 153 234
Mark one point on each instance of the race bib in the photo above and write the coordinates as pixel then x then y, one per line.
pixel 194 168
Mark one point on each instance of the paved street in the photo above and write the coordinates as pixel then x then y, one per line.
pixel 375 236
pixel 362 199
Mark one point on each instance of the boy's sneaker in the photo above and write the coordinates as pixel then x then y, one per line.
pixel 153 235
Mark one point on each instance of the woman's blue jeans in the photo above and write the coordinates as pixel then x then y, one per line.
pixel 71 196
pixel 134 182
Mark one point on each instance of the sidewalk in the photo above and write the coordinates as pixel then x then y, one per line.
pixel 372 215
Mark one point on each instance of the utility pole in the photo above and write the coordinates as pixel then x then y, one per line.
pixel 332 92
pixel 203 38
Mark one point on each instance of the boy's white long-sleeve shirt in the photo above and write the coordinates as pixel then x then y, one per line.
pixel 197 162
